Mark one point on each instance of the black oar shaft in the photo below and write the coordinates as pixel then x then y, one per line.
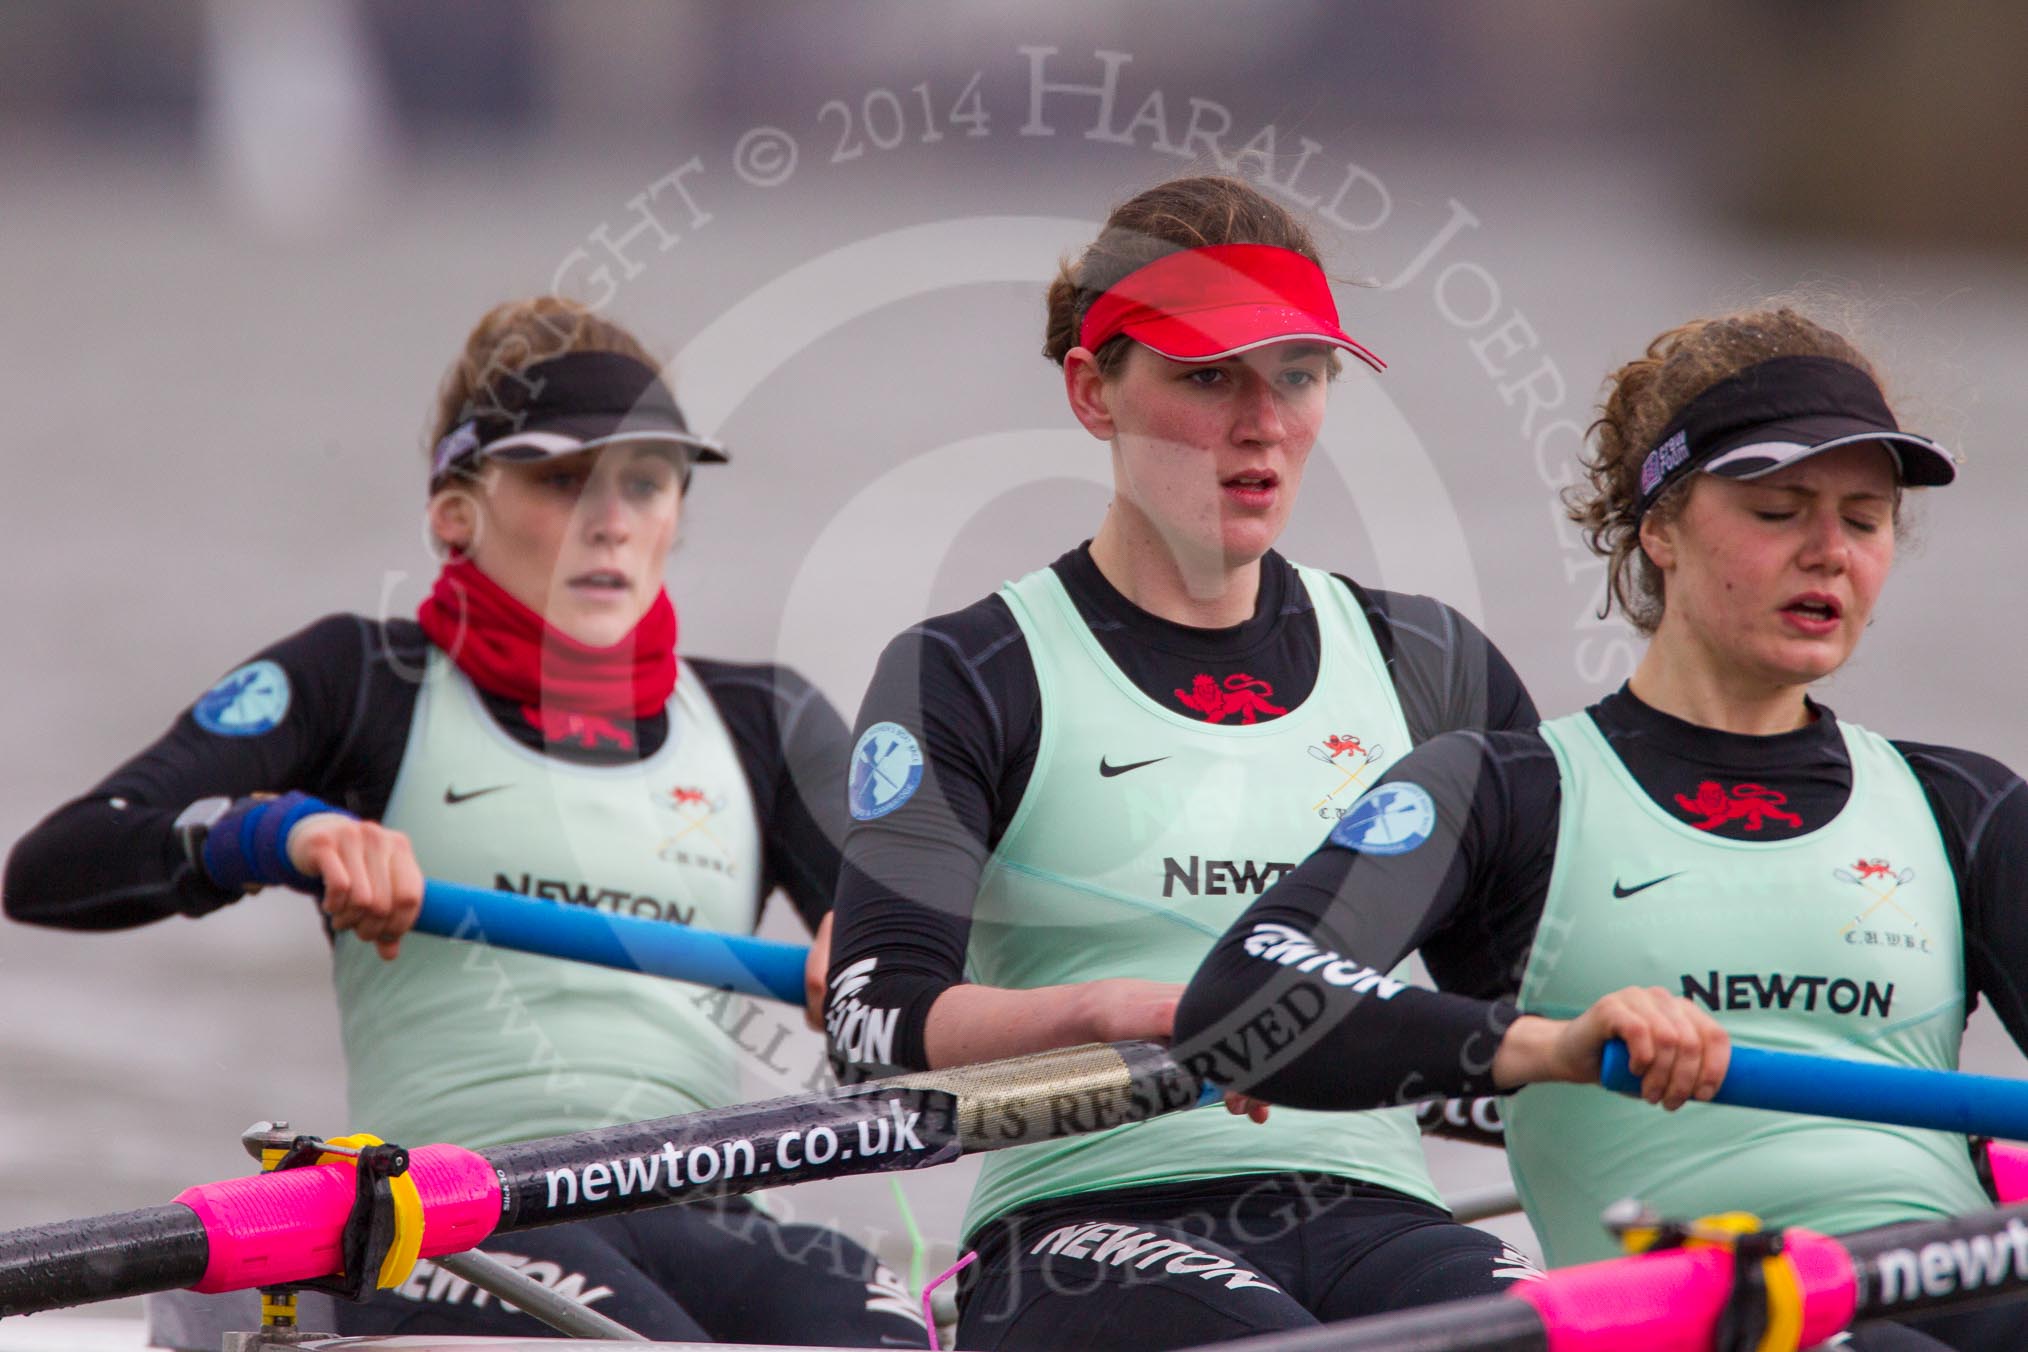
pixel 907 1122
pixel 46 1267
pixel 721 1154
pixel 1919 1266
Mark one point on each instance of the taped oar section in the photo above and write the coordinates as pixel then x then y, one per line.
pixel 1676 1301
pixel 287 1227
pixel 1902 1096
pixel 737 962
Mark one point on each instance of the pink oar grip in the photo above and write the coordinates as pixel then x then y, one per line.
pixel 2010 1170
pixel 286 1227
pixel 1670 1302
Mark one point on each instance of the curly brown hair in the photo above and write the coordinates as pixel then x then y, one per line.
pixel 513 336
pixel 1184 213
pixel 1641 399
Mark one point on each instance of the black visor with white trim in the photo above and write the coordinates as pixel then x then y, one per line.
pixel 577 402
pixel 1781 411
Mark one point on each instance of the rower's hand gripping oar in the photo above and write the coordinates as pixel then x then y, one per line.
pixel 1904 1096
pixel 735 962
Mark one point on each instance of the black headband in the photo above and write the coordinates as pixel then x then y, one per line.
pixel 1780 411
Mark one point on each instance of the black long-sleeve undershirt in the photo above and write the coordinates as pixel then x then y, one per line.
pixel 1472 896
pixel 110 859
pixel 965 684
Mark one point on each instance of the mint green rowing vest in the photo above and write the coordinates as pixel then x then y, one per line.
pixel 1844 942
pixel 458 1042
pixel 1134 873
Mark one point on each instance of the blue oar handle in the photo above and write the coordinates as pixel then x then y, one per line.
pixel 736 962
pixel 1613 1071
pixel 1904 1096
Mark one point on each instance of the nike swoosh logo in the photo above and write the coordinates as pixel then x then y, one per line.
pixel 453 797
pixel 1110 770
pixel 1620 891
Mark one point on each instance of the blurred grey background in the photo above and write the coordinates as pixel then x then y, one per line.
pixel 242 239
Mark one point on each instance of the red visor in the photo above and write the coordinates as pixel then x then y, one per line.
pixel 1206 304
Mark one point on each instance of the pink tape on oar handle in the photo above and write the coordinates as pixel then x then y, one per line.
pixel 285 1227
pixel 1670 1302
pixel 2010 1170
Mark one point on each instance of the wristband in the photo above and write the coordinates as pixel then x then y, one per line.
pixel 248 846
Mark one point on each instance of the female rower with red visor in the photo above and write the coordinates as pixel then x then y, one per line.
pixel 533 728
pixel 1705 854
pixel 1062 793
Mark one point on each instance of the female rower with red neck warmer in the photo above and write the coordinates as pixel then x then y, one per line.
pixel 1705 854
pixel 533 729
pixel 1063 792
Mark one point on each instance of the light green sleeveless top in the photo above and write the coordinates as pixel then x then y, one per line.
pixel 1143 834
pixel 477 1046
pixel 1844 942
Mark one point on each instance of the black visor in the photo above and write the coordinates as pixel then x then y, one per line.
pixel 577 402
pixel 1781 411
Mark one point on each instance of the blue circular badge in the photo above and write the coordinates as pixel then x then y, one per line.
pixel 1387 819
pixel 246 702
pixel 886 768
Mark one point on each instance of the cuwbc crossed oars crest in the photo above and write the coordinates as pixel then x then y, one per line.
pixel 1358 758
pixel 1881 880
pixel 695 807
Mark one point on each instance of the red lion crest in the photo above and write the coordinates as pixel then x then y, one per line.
pixel 1239 694
pixel 563 725
pixel 1752 803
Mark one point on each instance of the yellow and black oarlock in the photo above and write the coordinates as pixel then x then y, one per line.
pixel 1765 1311
pixel 383 1235
pixel 405 1244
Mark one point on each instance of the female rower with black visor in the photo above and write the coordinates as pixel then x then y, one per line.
pixel 1064 791
pixel 532 728
pixel 1706 854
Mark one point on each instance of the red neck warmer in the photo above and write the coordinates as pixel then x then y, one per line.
pixel 571 691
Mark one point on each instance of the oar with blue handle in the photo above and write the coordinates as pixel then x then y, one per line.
pixel 736 962
pixel 1903 1096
